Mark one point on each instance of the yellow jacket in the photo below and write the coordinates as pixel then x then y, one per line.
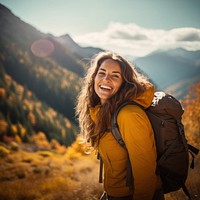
pixel 138 136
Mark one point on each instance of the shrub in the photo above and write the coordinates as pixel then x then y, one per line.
pixel 3 151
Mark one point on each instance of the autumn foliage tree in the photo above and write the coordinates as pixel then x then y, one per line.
pixel 191 117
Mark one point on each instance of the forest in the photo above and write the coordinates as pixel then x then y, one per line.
pixel 23 115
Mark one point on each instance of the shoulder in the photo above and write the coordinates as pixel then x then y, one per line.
pixel 132 115
pixel 133 119
pixel 131 110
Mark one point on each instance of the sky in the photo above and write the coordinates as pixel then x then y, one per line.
pixel 128 27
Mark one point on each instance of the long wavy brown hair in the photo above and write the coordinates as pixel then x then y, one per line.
pixel 133 85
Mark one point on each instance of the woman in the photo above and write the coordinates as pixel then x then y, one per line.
pixel 111 80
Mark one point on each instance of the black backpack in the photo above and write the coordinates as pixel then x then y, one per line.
pixel 165 115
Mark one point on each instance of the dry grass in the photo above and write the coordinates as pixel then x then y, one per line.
pixel 48 176
pixel 45 175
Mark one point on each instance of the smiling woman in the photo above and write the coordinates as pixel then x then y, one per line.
pixel 111 80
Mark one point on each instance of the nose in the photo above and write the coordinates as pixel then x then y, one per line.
pixel 107 77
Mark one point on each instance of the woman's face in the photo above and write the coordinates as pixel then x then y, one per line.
pixel 108 80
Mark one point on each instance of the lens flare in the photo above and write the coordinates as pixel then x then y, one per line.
pixel 42 48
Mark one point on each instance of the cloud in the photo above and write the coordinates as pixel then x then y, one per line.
pixel 187 34
pixel 133 40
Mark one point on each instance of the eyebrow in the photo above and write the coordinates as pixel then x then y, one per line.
pixel 112 71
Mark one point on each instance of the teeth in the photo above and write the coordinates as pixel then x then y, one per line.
pixel 105 87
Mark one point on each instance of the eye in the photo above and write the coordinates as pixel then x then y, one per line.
pixel 101 73
pixel 115 76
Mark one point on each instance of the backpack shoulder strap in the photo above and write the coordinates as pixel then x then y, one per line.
pixel 117 135
pixel 114 127
pixel 100 168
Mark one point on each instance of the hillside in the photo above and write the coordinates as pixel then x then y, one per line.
pixel 23 116
pixel 52 77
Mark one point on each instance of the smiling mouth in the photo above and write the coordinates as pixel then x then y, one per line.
pixel 103 87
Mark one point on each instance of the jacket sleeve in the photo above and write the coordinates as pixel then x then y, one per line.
pixel 138 136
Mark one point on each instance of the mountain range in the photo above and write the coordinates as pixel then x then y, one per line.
pixel 51 69
pixel 173 71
